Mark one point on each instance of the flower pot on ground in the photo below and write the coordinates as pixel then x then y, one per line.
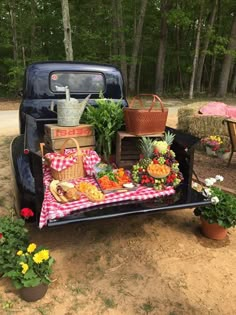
pixel 31 271
pixel 213 230
pixel 221 211
pixel 212 144
pixel 33 294
pixel 223 155
pixel 210 152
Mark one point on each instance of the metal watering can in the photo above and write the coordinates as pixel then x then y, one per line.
pixel 70 110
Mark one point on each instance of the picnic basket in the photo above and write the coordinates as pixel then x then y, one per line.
pixel 74 171
pixel 145 121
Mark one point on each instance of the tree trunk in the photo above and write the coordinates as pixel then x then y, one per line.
pixel 160 66
pixel 212 74
pixel 123 62
pixel 196 54
pixel 135 52
pixel 178 61
pixel 114 25
pixel 14 32
pixel 233 86
pixel 205 47
pixel 224 76
pixel 67 30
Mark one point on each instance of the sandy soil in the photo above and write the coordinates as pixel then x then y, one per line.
pixel 159 264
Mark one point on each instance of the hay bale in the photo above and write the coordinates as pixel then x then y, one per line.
pixel 203 126
pixel 186 113
pixel 190 121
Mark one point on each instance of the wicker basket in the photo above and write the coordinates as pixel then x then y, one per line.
pixel 145 121
pixel 74 171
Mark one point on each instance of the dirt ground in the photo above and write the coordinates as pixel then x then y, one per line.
pixel 158 264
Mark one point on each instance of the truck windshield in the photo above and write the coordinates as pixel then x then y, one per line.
pixel 78 82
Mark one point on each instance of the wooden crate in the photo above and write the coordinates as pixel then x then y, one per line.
pixel 127 148
pixel 53 131
pixel 56 144
pixel 55 136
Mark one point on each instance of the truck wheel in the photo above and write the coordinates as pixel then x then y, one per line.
pixel 21 197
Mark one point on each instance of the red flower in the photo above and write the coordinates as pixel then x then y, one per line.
pixel 1 235
pixel 26 213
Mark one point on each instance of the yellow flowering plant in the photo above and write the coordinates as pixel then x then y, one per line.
pixel 32 267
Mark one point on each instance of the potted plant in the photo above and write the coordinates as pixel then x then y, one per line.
pixel 107 118
pixel 223 152
pixel 31 272
pixel 212 144
pixel 13 235
pixel 220 215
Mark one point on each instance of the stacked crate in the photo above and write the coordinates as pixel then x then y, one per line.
pixel 127 148
pixel 55 136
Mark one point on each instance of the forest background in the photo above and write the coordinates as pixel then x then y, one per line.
pixel 180 47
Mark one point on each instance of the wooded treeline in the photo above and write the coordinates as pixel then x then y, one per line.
pixel 181 47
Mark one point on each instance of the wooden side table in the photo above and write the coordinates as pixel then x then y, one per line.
pixel 127 148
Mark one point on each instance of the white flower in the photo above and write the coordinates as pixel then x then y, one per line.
pixel 195 185
pixel 219 178
pixel 207 192
pixel 210 181
pixel 214 200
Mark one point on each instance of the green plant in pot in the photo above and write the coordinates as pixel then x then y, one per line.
pixel 13 235
pixel 31 272
pixel 220 215
pixel 107 118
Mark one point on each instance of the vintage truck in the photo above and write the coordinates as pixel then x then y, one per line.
pixel 44 82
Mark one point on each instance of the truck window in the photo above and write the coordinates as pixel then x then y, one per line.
pixel 78 82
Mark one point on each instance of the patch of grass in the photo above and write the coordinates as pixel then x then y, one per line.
pixel 45 309
pixel 147 307
pixel 136 276
pixel 109 302
pixel 6 305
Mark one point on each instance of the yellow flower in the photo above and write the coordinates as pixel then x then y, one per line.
pixel 19 253
pixel 44 254
pixel 31 248
pixel 25 267
pixel 39 257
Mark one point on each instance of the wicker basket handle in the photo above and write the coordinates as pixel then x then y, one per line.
pixel 77 146
pixel 155 98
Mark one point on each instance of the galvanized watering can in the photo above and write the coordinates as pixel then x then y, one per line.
pixel 70 110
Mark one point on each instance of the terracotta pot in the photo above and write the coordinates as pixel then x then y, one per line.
pixel 213 231
pixel 33 294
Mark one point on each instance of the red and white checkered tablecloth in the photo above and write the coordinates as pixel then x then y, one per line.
pixel 51 209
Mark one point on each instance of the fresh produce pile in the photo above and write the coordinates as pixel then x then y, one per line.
pixel 111 179
pixel 158 167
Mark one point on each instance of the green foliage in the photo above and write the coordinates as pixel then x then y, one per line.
pixel 14 236
pixel 31 268
pixel 221 211
pixel 107 118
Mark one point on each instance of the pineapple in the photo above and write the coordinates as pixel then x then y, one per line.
pixel 146 148
pixel 169 138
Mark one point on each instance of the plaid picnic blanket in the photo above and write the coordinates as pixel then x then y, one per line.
pixel 51 209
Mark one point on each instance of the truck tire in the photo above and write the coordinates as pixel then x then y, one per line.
pixel 21 197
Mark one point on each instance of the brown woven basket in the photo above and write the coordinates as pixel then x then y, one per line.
pixel 74 171
pixel 145 121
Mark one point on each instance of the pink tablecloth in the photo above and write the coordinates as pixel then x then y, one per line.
pixel 51 209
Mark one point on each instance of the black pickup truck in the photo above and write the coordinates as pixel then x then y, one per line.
pixel 45 82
